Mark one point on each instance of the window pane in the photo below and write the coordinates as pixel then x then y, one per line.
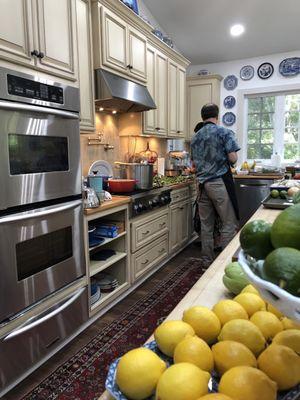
pixel 267 136
pixel 292 118
pixel 268 104
pixel 254 137
pixel 266 151
pixel 254 121
pixel 291 151
pixel 292 102
pixel 267 120
pixel 253 152
pixel 291 135
pixel 254 105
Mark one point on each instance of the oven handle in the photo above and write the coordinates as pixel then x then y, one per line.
pixel 37 214
pixel 29 325
pixel 43 110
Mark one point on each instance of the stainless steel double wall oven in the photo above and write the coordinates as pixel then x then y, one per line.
pixel 41 236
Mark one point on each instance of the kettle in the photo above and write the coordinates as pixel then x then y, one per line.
pixel 90 198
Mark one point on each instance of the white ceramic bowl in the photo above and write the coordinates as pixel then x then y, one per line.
pixel 288 304
pixel 242 172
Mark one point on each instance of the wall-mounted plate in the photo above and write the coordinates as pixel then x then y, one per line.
pixel 229 119
pixel 229 102
pixel 290 66
pixel 230 82
pixel 265 70
pixel 247 72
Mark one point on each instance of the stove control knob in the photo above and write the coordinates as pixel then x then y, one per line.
pixel 154 202
pixel 144 207
pixel 140 207
pixel 136 208
pixel 150 204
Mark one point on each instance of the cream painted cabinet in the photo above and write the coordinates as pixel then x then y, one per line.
pixel 123 47
pixel 179 225
pixel 176 100
pixel 16 31
pixel 161 97
pixel 200 90
pixel 85 65
pixel 150 116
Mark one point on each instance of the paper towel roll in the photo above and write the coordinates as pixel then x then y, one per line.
pixel 161 166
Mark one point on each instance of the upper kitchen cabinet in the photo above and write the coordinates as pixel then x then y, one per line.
pixel 40 35
pixel 16 31
pixel 200 91
pixel 85 66
pixel 118 46
pixel 177 100
pixel 56 37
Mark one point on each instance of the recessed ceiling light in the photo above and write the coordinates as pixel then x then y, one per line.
pixel 237 30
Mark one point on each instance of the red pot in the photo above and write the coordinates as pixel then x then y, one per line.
pixel 121 185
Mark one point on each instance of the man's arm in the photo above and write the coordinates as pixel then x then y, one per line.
pixel 232 157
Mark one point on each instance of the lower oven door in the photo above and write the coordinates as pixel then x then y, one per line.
pixel 42 332
pixel 41 251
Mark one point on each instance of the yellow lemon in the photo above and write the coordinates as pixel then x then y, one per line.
pixel 274 311
pixel 268 323
pixel 289 324
pixel 204 321
pixel 196 351
pixel 138 372
pixel 281 364
pixel 251 302
pixel 289 338
pixel 229 354
pixel 250 289
pixel 247 383
pixel 183 381
pixel 170 333
pixel 215 396
pixel 226 310
pixel 245 332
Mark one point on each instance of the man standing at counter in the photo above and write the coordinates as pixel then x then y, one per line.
pixel 213 150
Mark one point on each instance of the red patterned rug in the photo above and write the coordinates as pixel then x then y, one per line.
pixel 83 375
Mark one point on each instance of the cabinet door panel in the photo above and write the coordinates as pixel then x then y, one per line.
pixel 184 213
pixel 85 70
pixel 162 93
pixel 114 32
pixel 173 95
pixel 150 116
pixel 181 102
pixel 137 54
pixel 56 20
pixel 16 34
pixel 199 94
pixel 174 228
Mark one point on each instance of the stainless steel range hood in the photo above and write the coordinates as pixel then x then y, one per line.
pixel 116 93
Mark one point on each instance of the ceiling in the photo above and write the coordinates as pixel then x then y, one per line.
pixel 200 28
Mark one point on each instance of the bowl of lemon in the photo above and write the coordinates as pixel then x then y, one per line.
pixel 270 258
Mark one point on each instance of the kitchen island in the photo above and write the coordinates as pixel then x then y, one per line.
pixel 209 289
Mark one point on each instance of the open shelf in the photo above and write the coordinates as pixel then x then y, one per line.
pixel 105 296
pixel 107 240
pixel 98 266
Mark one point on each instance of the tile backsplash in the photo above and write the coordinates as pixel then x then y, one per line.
pixel 108 125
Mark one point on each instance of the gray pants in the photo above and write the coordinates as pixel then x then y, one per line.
pixel 214 198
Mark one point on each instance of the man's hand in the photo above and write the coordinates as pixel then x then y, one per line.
pixel 232 157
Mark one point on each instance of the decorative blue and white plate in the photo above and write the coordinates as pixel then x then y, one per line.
pixel 229 119
pixel 247 72
pixel 229 102
pixel 265 70
pixel 230 82
pixel 290 66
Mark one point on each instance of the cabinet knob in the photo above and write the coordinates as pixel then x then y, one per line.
pixel 41 55
pixel 35 53
pixel 178 131
pixel 157 129
pixel 129 66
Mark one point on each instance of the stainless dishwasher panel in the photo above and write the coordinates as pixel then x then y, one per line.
pixel 27 344
pixel 250 193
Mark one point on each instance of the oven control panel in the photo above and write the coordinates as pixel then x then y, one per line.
pixel 18 86
pixel 150 202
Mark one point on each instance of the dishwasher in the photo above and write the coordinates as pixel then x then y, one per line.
pixel 250 193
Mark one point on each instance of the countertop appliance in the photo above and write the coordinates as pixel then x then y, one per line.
pixel 39 141
pixel 115 93
pixel 250 193
pixel 141 173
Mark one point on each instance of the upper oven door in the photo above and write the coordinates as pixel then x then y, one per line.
pixel 41 251
pixel 39 154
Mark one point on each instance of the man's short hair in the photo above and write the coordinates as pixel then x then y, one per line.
pixel 209 110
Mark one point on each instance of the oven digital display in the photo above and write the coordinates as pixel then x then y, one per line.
pixel 34 90
pixel 31 154
pixel 37 254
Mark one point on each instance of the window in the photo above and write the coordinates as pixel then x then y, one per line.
pixel 273 127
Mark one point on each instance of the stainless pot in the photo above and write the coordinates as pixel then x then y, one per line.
pixel 141 173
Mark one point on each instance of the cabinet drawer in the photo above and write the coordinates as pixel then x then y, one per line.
pixel 146 230
pixel 150 256
pixel 179 194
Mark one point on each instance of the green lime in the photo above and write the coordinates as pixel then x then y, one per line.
pixel 282 267
pixel 255 239
pixel 285 231
pixel 283 194
pixel 275 193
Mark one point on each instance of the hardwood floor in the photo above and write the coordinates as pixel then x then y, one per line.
pixel 63 355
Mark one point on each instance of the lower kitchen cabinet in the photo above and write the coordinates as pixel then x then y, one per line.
pixel 179 225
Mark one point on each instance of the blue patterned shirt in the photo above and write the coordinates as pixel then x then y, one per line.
pixel 210 147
